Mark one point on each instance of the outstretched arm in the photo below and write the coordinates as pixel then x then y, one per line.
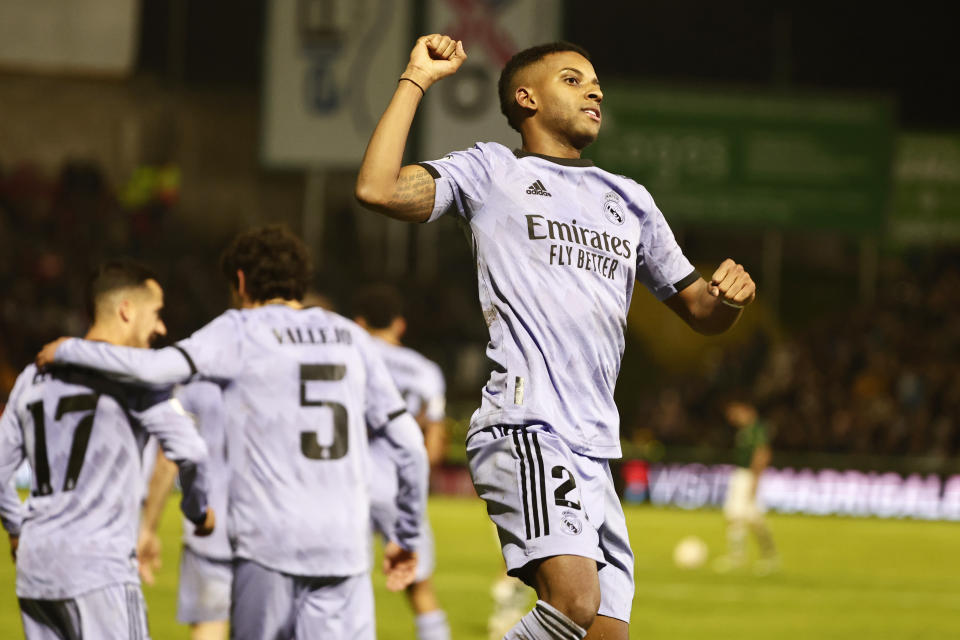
pixel 405 443
pixel 405 193
pixel 713 307
pixel 148 543
pixel 181 444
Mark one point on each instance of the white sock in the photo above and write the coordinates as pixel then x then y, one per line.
pixel 433 626
pixel 545 623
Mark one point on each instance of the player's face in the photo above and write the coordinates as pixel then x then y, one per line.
pixel 570 97
pixel 146 323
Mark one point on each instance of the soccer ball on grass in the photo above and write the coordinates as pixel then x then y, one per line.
pixel 690 553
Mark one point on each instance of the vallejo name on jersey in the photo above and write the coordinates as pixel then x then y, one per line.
pixel 311 335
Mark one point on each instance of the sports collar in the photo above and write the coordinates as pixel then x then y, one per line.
pixel 567 162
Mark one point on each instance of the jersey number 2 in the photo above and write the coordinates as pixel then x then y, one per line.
pixel 78 449
pixel 568 485
pixel 309 444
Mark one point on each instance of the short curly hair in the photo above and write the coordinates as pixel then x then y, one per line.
pixel 506 87
pixel 378 304
pixel 275 263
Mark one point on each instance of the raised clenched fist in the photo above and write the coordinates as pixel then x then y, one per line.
pixel 434 57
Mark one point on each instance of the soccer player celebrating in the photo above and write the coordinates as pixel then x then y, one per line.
pixel 558 244
pixel 83 436
pixel 379 310
pixel 302 390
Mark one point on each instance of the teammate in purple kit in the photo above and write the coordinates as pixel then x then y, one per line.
pixel 558 244
pixel 206 563
pixel 83 436
pixel 303 390
pixel 379 310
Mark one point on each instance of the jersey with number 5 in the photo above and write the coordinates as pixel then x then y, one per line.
pixel 83 436
pixel 301 387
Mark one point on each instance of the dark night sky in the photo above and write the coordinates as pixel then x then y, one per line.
pixel 908 52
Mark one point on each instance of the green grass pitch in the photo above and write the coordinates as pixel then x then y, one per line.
pixel 841 578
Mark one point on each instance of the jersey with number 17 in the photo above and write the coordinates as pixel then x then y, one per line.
pixel 83 436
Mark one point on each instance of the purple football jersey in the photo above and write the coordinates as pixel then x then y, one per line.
pixel 419 379
pixel 558 244
pixel 83 436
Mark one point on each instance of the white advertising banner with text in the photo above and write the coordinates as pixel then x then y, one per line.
pixel 842 492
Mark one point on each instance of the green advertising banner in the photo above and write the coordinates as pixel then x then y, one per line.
pixel 751 158
pixel 925 205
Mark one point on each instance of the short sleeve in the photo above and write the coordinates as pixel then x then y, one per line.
pixel 661 266
pixel 462 179
pixel 215 350
pixel 383 400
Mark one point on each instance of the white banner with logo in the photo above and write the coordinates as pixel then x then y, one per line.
pixel 464 108
pixel 330 69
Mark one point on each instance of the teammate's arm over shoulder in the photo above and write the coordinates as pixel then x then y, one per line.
pixel 713 307
pixel 160 367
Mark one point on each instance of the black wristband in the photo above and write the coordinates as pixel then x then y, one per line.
pixel 415 83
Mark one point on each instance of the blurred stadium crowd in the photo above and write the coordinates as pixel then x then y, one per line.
pixel 55 229
pixel 875 379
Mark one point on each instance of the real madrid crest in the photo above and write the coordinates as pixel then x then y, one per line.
pixel 570 524
pixel 613 208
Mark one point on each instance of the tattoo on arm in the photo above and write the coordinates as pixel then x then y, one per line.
pixel 414 193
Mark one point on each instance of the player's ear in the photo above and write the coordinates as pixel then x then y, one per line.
pixel 400 326
pixel 125 309
pixel 241 283
pixel 525 98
